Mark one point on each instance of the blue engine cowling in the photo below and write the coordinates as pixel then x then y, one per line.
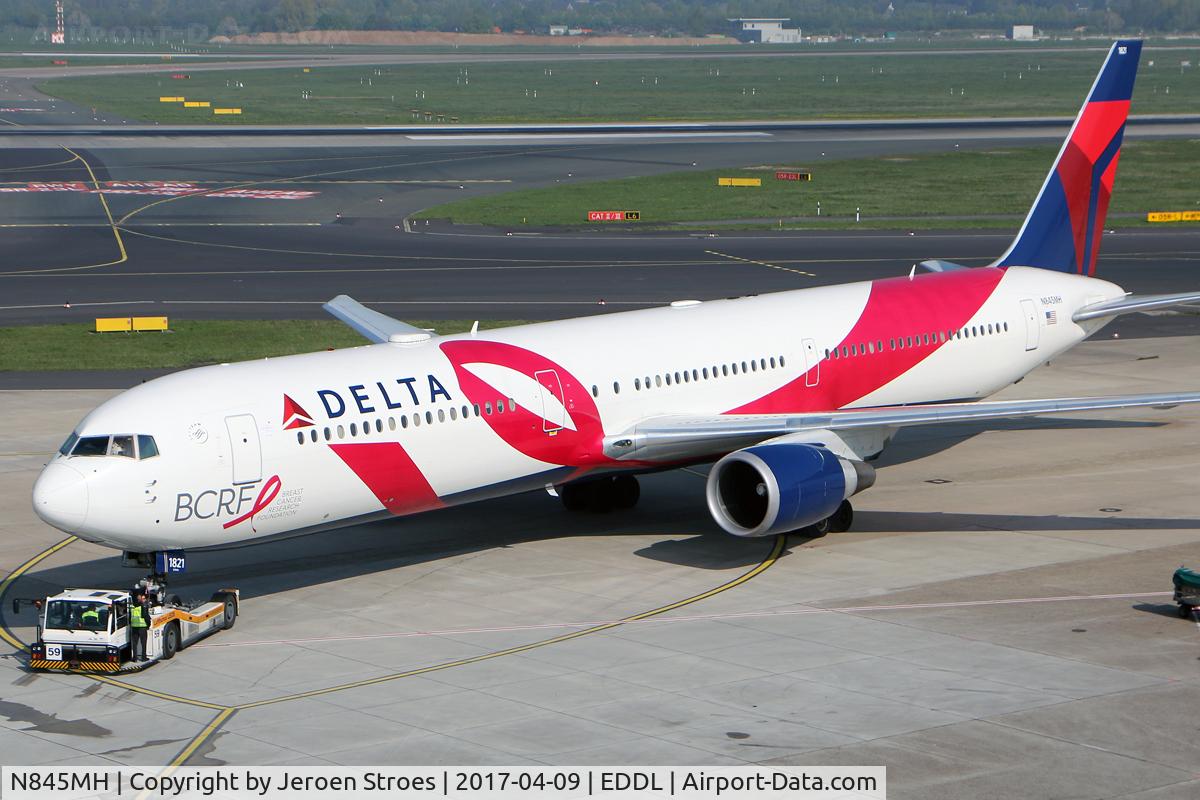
pixel 775 488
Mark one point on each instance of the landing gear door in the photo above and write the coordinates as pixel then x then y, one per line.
pixel 812 363
pixel 244 448
pixel 553 408
pixel 1033 330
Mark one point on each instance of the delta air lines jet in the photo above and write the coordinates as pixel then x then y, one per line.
pixel 791 394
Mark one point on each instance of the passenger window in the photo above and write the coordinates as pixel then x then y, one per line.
pixel 893 343
pixel 677 378
pixel 416 420
pixel 299 437
pixel 1006 327
pixel 616 388
pixel 121 445
pixel 754 366
pixel 989 329
pixel 668 379
pixel 637 384
pixel 704 372
pixel 147 448
pixel 466 412
pixel 487 408
pixel 429 417
pixel 379 426
pixel 695 375
pixel 781 361
pixel 772 362
pixel 453 413
pixel 595 392
pixel 686 378
pixel 512 404
pixel 735 372
pixel 762 363
pixel 403 420
pixel 475 406
pixel 845 351
pixel 341 432
pixel 744 368
pixel 391 423
pixel 312 433
pixel 353 429
pixel 658 381
pixel 725 370
pixel 441 415
pixel 870 347
pixel 327 436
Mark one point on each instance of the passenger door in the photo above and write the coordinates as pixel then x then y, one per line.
pixel 1033 330
pixel 812 363
pixel 553 406
pixel 245 451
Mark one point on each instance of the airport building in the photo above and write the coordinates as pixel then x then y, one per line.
pixel 764 30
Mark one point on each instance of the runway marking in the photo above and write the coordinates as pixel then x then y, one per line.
pixel 5 633
pixel 164 225
pixel 288 180
pixel 764 263
pixel 696 618
pixel 108 215
pixel 761 567
pixel 80 305
pixel 296 178
pixel 37 166
pixel 225 712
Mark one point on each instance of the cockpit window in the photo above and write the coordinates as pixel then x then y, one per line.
pixel 122 445
pixel 146 446
pixel 91 446
pixel 65 450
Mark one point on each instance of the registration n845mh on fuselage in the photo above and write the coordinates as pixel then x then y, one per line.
pixel 791 394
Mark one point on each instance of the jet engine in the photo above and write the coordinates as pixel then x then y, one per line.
pixel 778 487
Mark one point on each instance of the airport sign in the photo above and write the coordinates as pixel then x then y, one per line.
pixel 614 216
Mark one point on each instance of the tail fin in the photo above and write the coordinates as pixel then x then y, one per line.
pixel 1062 231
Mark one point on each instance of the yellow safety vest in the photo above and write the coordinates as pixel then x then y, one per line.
pixel 90 616
pixel 138 621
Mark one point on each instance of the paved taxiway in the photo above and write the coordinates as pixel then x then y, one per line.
pixel 997 624
pixel 131 250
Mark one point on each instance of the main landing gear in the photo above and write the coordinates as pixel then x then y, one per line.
pixel 839 522
pixel 600 495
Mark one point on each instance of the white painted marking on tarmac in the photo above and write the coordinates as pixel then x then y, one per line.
pixel 1077 598
pixel 458 137
pixel 82 305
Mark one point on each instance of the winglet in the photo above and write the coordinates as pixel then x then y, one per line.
pixel 1063 228
pixel 371 324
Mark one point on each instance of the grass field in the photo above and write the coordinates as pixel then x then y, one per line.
pixel 936 85
pixel 917 191
pixel 70 347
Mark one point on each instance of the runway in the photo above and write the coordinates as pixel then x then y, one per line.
pixel 997 623
pixel 259 232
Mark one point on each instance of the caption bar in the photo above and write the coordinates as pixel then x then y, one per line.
pixel 461 783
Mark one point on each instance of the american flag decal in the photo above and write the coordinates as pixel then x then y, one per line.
pixel 1051 317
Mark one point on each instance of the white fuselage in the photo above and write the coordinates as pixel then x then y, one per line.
pixel 402 428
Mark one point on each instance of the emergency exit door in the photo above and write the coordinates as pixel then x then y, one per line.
pixel 812 363
pixel 554 407
pixel 245 451
pixel 1033 331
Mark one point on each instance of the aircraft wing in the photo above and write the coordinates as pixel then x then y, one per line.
pixel 682 437
pixel 1132 303
pixel 371 324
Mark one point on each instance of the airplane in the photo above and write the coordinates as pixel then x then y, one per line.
pixel 789 395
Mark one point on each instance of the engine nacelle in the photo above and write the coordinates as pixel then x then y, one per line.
pixel 775 488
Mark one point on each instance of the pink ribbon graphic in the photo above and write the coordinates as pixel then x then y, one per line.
pixel 269 492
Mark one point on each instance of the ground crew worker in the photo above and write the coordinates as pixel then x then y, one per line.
pixel 139 626
pixel 90 618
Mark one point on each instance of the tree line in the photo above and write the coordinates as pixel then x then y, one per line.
pixel 203 18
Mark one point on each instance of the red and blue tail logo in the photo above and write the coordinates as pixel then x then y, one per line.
pixel 1063 229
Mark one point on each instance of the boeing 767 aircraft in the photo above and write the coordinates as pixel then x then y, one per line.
pixel 790 394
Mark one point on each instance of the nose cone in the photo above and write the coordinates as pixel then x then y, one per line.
pixel 60 497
